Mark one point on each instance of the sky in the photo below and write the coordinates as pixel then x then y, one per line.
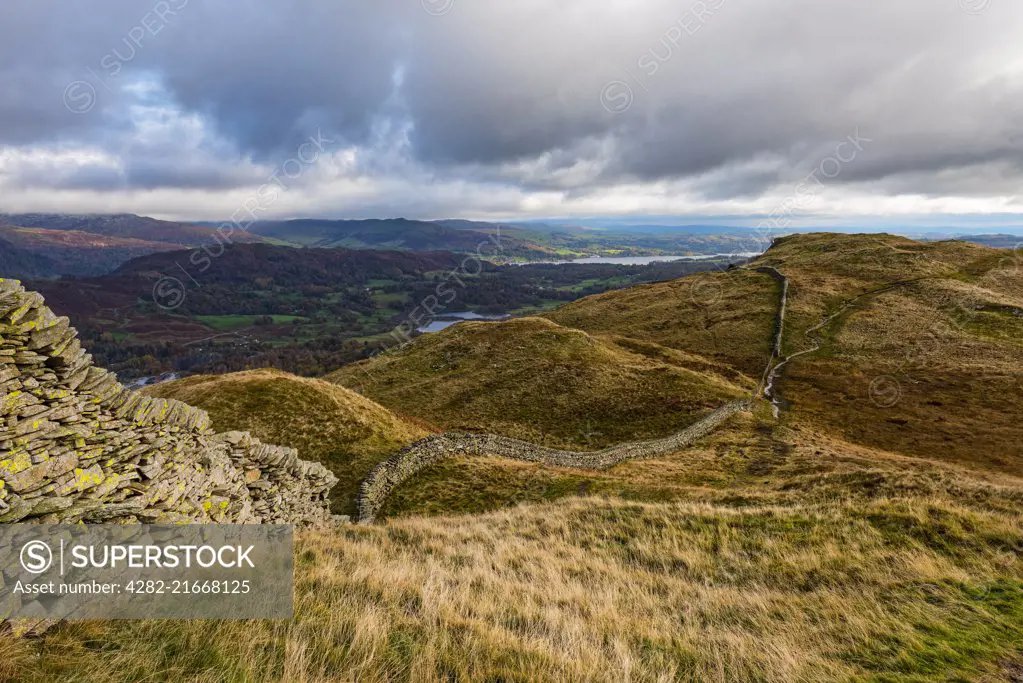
pixel 794 112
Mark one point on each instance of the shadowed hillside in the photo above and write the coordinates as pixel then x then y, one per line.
pixel 399 233
pixel 928 361
pixel 37 252
pixel 327 423
pixel 534 380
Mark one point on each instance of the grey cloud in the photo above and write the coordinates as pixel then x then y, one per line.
pixel 509 92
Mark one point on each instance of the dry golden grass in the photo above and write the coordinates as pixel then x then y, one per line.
pixel 532 379
pixel 768 552
pixel 770 556
pixel 950 335
pixel 893 588
pixel 727 317
pixel 347 432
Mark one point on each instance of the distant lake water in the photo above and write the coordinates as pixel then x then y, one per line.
pixel 643 260
pixel 446 320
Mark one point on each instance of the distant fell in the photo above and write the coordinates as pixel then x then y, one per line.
pixel 396 233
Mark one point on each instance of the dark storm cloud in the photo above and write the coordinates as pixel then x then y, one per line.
pixel 736 96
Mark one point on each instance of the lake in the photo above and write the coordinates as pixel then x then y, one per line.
pixel 644 260
pixel 446 320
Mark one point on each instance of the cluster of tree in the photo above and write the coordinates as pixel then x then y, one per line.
pixel 336 298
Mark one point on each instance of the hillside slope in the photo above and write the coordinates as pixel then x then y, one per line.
pixel 326 423
pixel 534 380
pixel 754 557
pixel 86 245
pixel 70 252
pixel 927 361
pixel 726 316
pixel 122 225
pixel 16 262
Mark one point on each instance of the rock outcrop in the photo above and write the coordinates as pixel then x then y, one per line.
pixel 76 445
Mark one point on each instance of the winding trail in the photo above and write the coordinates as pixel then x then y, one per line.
pixel 774 371
pixel 412 459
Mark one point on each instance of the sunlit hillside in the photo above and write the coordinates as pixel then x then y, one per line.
pixel 532 379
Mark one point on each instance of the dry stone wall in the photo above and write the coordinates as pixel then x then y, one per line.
pixel 391 473
pixel 76 445
pixel 779 322
pixel 412 459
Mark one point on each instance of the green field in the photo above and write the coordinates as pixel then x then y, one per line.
pixel 232 323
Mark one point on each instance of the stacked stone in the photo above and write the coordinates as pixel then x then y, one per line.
pixel 412 459
pixel 282 487
pixel 76 445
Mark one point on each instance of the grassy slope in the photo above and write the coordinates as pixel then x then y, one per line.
pixel 768 552
pixel 326 423
pixel 531 379
pixel 724 316
pixel 769 557
pixel 950 338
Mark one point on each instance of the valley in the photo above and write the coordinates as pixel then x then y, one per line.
pixel 609 469
pixel 306 311
pixel 451 341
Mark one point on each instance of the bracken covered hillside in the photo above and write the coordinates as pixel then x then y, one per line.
pixel 928 361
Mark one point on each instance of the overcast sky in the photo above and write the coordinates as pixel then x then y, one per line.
pixel 823 110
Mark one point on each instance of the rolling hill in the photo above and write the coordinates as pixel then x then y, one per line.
pixel 534 380
pixel 927 361
pixel 938 321
pixel 83 245
pixel 398 233
pixel 862 534
pixel 726 316
pixel 327 423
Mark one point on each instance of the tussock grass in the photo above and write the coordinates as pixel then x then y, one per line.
pixel 897 589
pixel 727 317
pixel 327 423
pixel 534 380
pixel 765 556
